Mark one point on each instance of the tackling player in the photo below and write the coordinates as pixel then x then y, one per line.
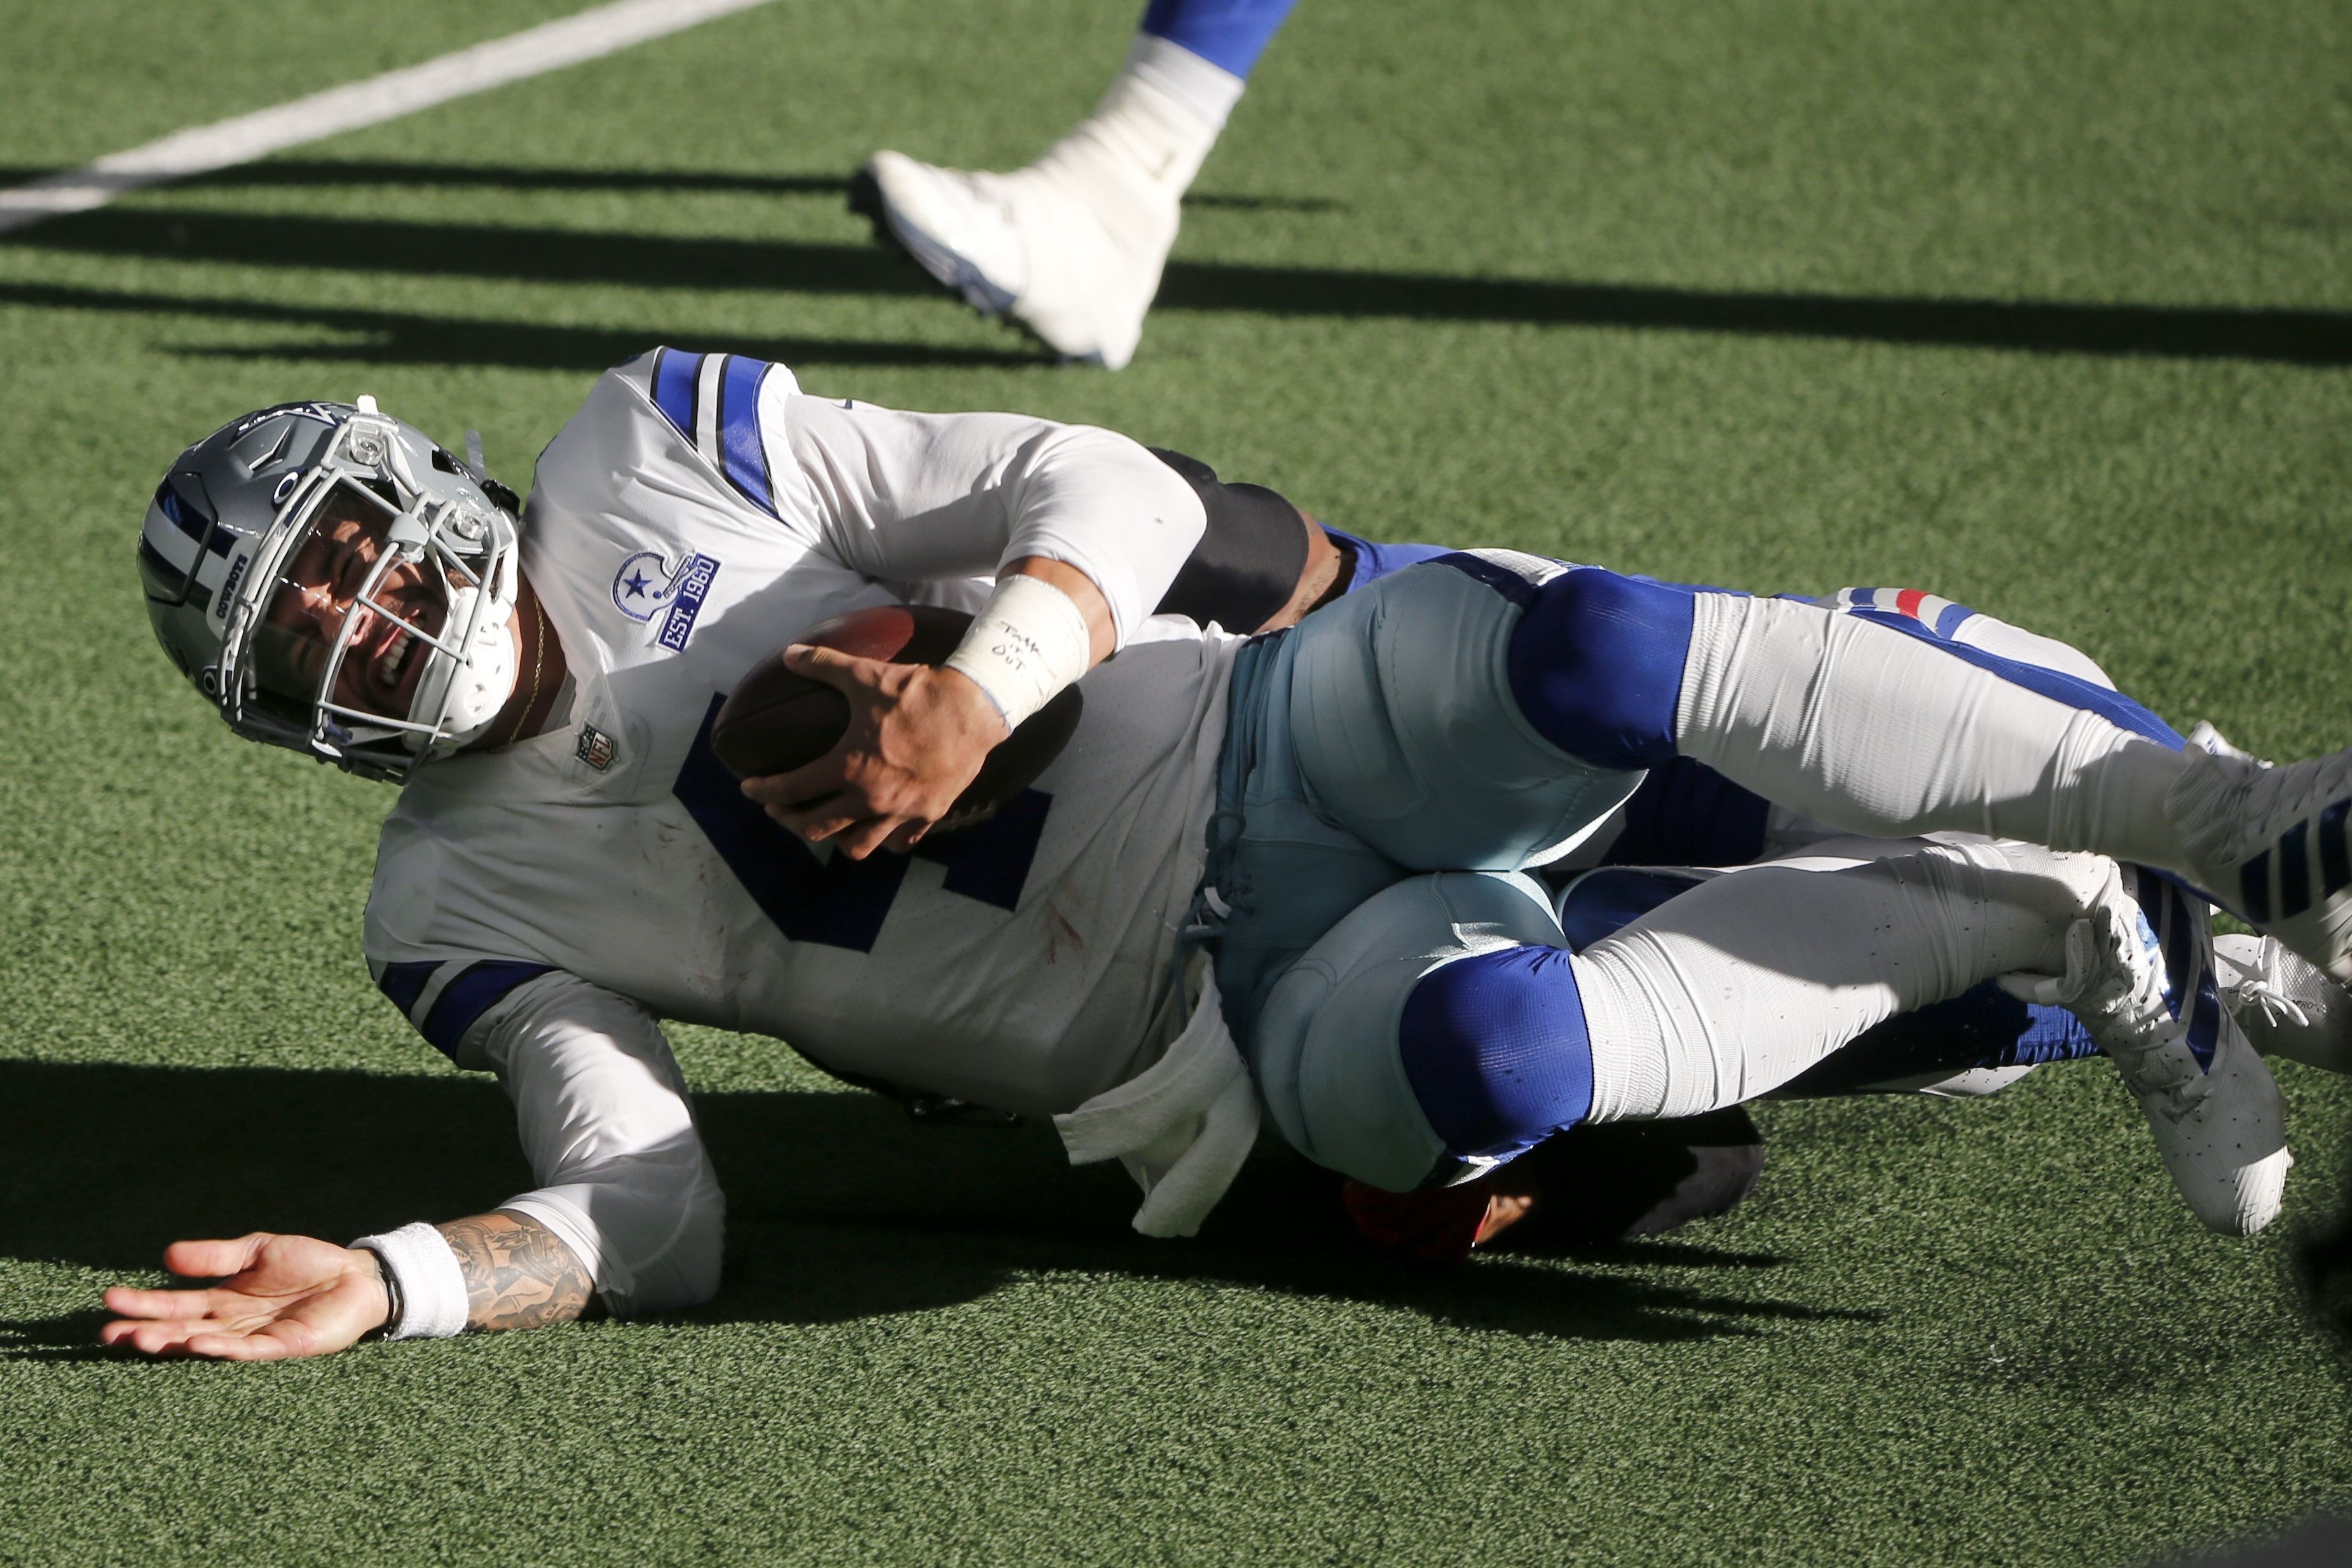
pixel 1072 245
pixel 1307 846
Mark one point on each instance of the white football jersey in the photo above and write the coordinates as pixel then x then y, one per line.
pixel 696 513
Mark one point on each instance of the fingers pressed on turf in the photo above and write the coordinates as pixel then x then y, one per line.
pixel 130 1301
pixel 164 1338
pixel 118 1331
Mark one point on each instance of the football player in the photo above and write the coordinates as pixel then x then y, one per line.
pixel 1071 246
pixel 1283 873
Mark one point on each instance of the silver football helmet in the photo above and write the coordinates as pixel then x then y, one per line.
pixel 336 584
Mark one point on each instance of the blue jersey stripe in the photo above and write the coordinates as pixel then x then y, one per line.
pixel 675 378
pixel 466 999
pixel 403 983
pixel 741 454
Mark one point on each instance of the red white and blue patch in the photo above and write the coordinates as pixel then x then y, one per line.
pixel 1939 615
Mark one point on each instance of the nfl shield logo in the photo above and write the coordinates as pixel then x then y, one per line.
pixel 596 749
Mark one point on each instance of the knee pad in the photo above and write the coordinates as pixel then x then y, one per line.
pixel 1330 1050
pixel 1495 1047
pixel 1596 665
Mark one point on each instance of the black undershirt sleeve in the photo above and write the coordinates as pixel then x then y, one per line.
pixel 1250 558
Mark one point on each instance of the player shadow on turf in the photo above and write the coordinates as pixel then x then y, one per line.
pixel 331 173
pixel 838 1207
pixel 404 338
pixel 548 255
pixel 70 1336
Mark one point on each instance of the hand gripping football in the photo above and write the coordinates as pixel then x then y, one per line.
pixel 775 721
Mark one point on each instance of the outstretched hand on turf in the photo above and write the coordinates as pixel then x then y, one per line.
pixel 277 1296
pixel 917 738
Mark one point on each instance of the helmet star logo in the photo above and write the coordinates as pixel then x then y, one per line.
pixel 644 585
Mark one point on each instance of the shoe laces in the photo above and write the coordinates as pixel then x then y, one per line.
pixel 2277 1007
pixel 2129 1012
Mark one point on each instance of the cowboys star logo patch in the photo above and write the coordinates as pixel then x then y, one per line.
pixel 647 588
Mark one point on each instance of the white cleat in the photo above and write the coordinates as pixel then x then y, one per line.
pixel 2140 975
pixel 2272 844
pixel 2286 1007
pixel 1069 247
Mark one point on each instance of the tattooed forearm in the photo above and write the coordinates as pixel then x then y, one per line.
pixel 519 1275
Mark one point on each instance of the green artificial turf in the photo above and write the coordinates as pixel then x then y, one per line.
pixel 2042 308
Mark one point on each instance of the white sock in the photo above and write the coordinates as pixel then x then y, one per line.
pixel 1738 986
pixel 1208 91
pixel 1147 138
pixel 1875 732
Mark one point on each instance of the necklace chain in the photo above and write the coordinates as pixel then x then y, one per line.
pixel 538 662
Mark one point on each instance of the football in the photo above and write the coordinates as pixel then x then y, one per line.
pixel 775 721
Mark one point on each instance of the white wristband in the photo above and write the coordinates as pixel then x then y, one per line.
pixel 1028 642
pixel 432 1292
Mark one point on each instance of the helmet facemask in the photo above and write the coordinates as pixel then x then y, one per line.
pixel 371 626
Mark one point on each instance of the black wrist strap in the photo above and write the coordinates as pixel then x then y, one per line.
pixel 391 1323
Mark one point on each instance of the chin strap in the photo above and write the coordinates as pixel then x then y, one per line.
pixel 480 476
pixel 482 684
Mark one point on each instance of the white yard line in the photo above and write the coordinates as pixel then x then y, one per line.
pixel 201 149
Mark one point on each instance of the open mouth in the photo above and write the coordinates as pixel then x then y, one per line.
pixel 389 668
pixel 390 655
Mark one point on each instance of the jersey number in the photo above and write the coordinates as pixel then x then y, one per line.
pixel 835 899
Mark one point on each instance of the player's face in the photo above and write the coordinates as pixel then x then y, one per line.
pixel 332 577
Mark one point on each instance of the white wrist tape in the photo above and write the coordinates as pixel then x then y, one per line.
pixel 1028 642
pixel 432 1292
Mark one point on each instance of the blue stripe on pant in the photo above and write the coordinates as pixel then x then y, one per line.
pixel 1597 660
pixel 1984 1027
